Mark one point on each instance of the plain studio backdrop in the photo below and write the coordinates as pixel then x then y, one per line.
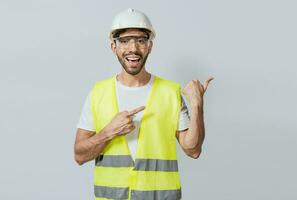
pixel 52 52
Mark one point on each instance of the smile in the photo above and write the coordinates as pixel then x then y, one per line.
pixel 132 59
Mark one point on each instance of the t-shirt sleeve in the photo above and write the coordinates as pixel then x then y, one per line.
pixel 184 117
pixel 86 118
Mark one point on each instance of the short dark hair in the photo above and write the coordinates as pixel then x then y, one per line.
pixel 117 33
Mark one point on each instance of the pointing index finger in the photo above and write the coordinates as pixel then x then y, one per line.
pixel 136 110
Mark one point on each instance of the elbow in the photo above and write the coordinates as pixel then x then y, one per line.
pixel 78 160
pixel 195 154
pixel 193 151
pixel 77 156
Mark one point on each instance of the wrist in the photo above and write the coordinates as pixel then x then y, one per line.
pixel 108 134
pixel 196 106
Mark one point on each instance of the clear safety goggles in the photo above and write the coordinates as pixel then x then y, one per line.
pixel 124 42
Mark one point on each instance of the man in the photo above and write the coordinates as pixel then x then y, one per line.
pixel 130 122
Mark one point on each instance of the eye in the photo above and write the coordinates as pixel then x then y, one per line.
pixel 123 40
pixel 142 40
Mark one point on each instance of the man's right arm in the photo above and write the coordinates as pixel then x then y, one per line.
pixel 88 145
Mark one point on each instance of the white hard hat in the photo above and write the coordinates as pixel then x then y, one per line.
pixel 131 18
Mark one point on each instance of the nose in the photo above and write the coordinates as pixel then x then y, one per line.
pixel 132 46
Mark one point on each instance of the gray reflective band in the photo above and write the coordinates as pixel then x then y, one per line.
pixel 114 161
pixel 156 165
pixel 111 192
pixel 156 195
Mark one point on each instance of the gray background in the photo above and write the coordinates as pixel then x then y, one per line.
pixel 52 52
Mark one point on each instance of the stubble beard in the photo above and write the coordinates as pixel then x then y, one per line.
pixel 134 71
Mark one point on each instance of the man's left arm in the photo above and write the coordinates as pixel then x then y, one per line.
pixel 191 140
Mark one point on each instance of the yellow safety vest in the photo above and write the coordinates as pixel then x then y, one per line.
pixel 154 174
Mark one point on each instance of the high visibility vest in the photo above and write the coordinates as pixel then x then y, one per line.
pixel 154 173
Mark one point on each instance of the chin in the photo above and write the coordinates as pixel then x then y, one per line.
pixel 134 71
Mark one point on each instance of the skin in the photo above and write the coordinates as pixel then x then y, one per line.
pixel 88 145
pixel 191 140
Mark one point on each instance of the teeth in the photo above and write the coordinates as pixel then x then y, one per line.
pixel 132 59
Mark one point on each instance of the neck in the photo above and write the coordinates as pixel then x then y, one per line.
pixel 140 79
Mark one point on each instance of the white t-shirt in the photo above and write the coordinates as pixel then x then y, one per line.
pixel 129 98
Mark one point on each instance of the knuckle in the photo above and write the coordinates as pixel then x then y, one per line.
pixel 131 126
pixel 126 121
pixel 125 112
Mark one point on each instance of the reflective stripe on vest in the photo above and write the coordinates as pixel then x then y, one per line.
pixel 156 165
pixel 156 195
pixel 111 192
pixel 140 164
pixel 115 161
pixel 122 193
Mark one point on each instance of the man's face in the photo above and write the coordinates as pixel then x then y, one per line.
pixel 132 54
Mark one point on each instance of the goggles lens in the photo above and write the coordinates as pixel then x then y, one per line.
pixel 140 41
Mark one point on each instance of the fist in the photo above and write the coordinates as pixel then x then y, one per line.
pixel 194 91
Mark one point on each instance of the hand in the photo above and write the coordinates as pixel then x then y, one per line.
pixel 122 123
pixel 194 91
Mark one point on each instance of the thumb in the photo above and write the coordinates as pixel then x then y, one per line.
pixel 205 85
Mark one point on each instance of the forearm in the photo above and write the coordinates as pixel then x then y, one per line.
pixel 196 132
pixel 90 148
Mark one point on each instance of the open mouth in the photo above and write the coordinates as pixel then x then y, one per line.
pixel 132 60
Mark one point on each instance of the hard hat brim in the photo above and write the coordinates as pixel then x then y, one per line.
pixel 151 33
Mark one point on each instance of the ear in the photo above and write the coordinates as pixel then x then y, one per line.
pixel 150 46
pixel 113 46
